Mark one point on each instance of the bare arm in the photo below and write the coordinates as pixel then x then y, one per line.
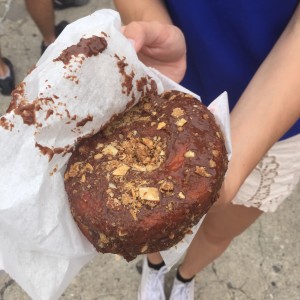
pixel 269 106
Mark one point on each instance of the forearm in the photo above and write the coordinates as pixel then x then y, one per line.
pixel 142 10
pixel 270 104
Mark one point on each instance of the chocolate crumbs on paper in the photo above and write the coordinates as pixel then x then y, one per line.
pixel 87 47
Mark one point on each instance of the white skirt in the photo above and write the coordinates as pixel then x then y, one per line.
pixel 274 178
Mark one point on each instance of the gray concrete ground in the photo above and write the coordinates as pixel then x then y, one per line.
pixel 263 263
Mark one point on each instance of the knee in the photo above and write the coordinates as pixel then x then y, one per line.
pixel 215 237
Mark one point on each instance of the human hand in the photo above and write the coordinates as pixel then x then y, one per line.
pixel 161 46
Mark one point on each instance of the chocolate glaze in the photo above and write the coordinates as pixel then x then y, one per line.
pixel 142 85
pixel 84 121
pixel 49 113
pixel 4 123
pixel 45 150
pixel 170 146
pixel 16 94
pixel 51 152
pixel 127 84
pixel 27 111
pixel 88 47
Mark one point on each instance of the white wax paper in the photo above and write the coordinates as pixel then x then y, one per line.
pixel 40 244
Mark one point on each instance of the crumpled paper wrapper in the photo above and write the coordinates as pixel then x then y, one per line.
pixel 57 104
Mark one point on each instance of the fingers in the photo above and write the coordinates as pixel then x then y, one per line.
pixel 154 35
pixel 142 33
pixel 132 41
pixel 161 46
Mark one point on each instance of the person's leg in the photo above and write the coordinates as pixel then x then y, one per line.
pixel 62 4
pixel 7 76
pixel 42 13
pixel 214 236
pixel 218 229
pixel 3 68
pixel 155 258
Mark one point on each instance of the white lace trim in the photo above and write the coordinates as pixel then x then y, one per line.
pixel 274 178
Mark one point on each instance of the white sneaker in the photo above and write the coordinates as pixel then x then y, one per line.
pixel 152 283
pixel 182 291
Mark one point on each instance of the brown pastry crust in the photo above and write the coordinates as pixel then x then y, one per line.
pixel 139 185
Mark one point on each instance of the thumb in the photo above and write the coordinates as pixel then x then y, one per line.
pixel 134 32
pixel 132 41
pixel 151 34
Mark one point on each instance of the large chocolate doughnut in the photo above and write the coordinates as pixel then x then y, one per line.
pixel 139 185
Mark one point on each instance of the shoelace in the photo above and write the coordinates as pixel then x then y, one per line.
pixel 156 284
pixel 181 291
